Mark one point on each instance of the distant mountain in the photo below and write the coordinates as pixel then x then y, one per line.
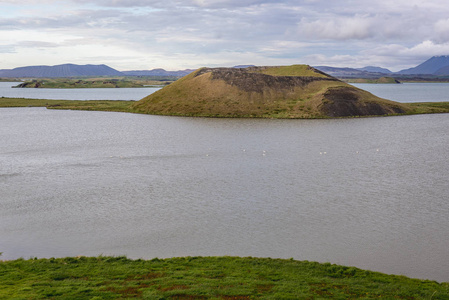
pixel 366 72
pixel 347 72
pixel 243 66
pixel 65 70
pixel 334 71
pixel 433 66
pixel 158 72
pixel 374 70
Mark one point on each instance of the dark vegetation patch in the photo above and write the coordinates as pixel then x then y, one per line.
pixel 257 82
pixel 346 101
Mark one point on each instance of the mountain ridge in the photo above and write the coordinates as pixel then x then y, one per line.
pixel 64 70
pixel 435 66
pixel 74 70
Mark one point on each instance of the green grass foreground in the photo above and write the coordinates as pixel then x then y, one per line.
pixel 128 106
pixel 203 278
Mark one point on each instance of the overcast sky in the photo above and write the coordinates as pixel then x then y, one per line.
pixel 180 34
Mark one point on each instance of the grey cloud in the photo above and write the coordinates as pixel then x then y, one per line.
pixel 217 4
pixel 341 28
pixel 37 44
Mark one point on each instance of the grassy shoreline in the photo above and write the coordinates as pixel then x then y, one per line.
pixel 128 106
pixel 203 278
pixel 97 105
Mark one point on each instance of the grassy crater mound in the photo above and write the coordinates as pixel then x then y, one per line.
pixel 298 91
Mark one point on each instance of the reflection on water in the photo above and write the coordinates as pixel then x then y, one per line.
pixel 368 192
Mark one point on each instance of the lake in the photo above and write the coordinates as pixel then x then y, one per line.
pixel 368 192
pixel 409 92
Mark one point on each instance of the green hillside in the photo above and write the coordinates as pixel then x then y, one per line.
pixel 297 91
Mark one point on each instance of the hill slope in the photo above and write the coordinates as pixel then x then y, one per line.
pixel 158 72
pixel 375 69
pixel 65 70
pixel 298 91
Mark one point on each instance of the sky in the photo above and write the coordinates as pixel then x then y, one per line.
pixel 188 34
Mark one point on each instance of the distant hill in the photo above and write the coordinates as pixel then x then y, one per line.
pixel 374 69
pixel 158 72
pixel 298 91
pixel 366 72
pixel 340 72
pixel 436 65
pixel 65 70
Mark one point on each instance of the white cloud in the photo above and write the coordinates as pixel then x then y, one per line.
pixel 427 48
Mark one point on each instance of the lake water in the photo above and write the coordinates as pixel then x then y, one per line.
pixel 369 192
pixel 409 92
pixel 75 94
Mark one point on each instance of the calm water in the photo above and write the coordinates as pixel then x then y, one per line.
pixel 74 94
pixel 368 192
pixel 409 92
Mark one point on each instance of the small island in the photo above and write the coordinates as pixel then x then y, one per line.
pixel 297 91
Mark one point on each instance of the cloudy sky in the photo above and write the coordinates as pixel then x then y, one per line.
pixel 180 34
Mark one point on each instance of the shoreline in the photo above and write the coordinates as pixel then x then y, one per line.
pixel 127 106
